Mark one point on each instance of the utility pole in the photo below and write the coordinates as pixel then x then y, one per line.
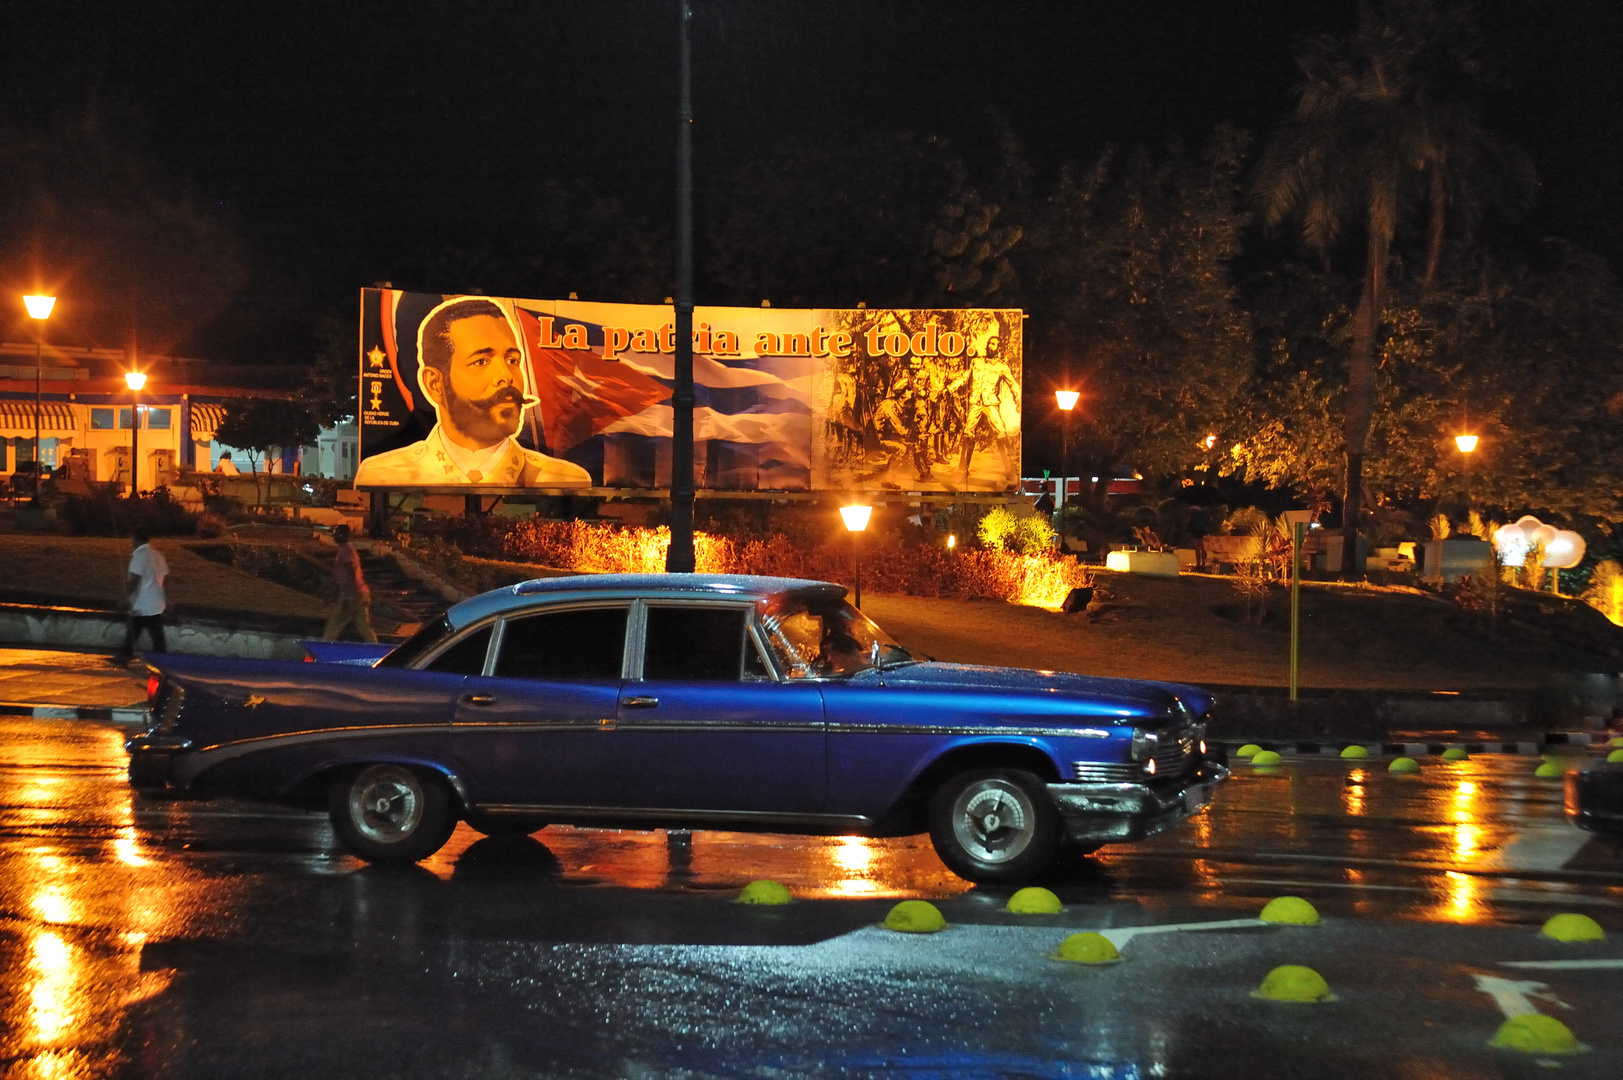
pixel 679 557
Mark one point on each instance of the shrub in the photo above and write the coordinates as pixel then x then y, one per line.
pixel 1000 530
pixel 104 514
pixel 1605 591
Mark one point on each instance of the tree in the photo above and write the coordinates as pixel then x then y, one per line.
pixel 1127 276
pixel 264 425
pixel 1386 118
pixel 330 388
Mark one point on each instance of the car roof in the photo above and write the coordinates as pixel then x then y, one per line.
pixel 526 593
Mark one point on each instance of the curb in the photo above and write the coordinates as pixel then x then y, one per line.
pixel 1421 749
pixel 131 715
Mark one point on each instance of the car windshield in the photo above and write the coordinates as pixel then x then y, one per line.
pixel 827 638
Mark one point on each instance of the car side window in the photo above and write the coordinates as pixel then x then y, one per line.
pixel 696 642
pixel 583 643
pixel 466 657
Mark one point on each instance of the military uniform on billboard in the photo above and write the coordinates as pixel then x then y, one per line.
pixel 429 463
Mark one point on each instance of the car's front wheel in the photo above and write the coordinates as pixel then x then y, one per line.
pixel 994 825
pixel 390 814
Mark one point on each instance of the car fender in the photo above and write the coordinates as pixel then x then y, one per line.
pixel 905 811
pixel 315 777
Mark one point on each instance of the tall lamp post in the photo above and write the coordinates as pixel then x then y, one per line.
pixel 1467 444
pixel 856 521
pixel 135 380
pixel 1067 401
pixel 39 309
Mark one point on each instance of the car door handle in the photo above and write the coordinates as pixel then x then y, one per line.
pixel 640 701
pixel 478 699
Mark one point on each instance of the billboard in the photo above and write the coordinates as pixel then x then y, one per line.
pixel 493 394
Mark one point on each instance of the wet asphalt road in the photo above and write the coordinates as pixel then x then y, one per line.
pixel 199 939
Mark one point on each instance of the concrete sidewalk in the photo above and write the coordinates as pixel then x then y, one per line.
pixel 48 682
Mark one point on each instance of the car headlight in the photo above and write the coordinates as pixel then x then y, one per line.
pixel 1144 744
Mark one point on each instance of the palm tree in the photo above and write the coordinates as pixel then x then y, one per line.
pixel 1386 119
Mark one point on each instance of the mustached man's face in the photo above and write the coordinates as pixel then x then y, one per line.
pixel 481 398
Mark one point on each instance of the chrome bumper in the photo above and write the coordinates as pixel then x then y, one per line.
pixel 1121 813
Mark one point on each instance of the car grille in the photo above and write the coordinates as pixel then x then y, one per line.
pixel 1175 756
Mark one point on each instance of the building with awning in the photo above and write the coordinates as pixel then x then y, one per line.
pixel 87 414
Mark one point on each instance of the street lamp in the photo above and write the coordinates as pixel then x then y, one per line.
pixel 39 309
pixel 135 380
pixel 856 520
pixel 1466 443
pixel 1067 401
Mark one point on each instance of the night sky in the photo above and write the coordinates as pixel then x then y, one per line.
pixel 340 140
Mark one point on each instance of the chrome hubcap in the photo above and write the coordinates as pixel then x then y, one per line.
pixel 993 820
pixel 386 803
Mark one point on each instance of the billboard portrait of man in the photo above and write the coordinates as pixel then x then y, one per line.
pixel 471 369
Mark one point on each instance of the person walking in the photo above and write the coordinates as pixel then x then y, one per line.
pixel 144 586
pixel 354 598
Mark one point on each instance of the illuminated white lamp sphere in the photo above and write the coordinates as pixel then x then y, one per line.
pixel 856 517
pixel 135 379
pixel 1466 443
pixel 1067 399
pixel 39 307
pixel 1565 551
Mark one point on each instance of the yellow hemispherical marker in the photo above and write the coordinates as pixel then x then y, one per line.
pixel 1266 757
pixel 1087 948
pixel 1535 1033
pixel 1615 756
pixel 1293 982
pixel 1455 753
pixel 1355 751
pixel 1248 750
pixel 1618 741
pixel 1404 765
pixel 1291 910
pixel 1033 900
pixel 915 917
pixel 764 892
pixel 1571 926
pixel 1550 770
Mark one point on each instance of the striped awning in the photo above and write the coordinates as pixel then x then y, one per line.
pixel 17 417
pixel 206 419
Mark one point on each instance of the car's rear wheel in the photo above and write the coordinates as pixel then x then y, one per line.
pixel 390 814
pixel 994 825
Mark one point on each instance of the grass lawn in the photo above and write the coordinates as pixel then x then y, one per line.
pixel 87 571
pixel 1169 628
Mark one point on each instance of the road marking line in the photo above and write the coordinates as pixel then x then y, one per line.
pixel 1564 965
pixel 1120 936
pixel 1513 997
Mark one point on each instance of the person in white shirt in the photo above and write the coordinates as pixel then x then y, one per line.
pixel 227 467
pixel 144 584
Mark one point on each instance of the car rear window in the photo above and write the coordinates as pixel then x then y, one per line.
pixel 583 643
pixel 696 642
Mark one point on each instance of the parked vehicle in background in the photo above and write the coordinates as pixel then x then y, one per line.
pixel 681 700
pixel 1594 799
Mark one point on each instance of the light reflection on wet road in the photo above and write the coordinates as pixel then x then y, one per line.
pixel 145 938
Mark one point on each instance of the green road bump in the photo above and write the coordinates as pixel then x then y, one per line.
pixel 1456 753
pixel 1266 757
pixel 1248 750
pixel 1293 982
pixel 1570 926
pixel 1289 910
pixel 1355 751
pixel 1033 900
pixel 1550 770
pixel 764 892
pixel 1615 756
pixel 1618 741
pixel 915 917
pixel 1535 1033
pixel 1087 948
pixel 1404 765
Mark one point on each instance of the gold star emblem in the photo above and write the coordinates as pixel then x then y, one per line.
pixel 377 396
pixel 376 357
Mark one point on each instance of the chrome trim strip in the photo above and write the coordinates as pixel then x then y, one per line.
pixel 651 813
pixel 956 729
pixel 194 763
pixel 519 726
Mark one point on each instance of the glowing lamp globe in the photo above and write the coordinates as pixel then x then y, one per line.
pixel 1067 399
pixel 135 379
pixel 856 517
pixel 1466 443
pixel 39 307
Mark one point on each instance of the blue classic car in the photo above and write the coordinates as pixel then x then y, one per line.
pixel 683 700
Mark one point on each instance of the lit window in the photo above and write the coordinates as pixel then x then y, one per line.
pixel 158 419
pixel 124 419
pixel 101 419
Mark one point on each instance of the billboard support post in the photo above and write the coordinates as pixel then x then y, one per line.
pixel 679 557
